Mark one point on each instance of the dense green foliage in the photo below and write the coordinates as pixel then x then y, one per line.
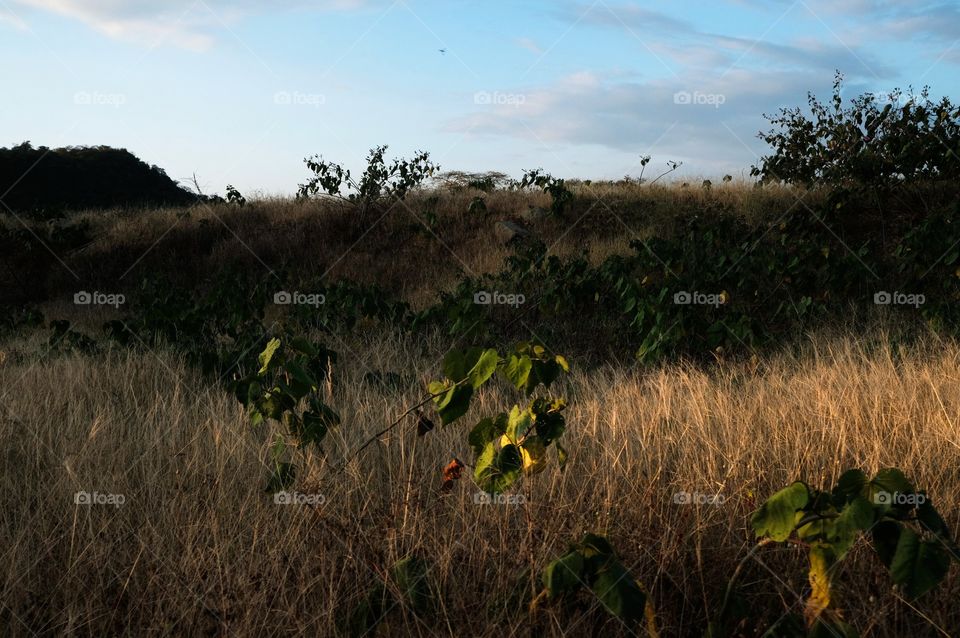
pixel 878 140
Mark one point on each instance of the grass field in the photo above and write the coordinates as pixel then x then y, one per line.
pixel 667 461
pixel 196 548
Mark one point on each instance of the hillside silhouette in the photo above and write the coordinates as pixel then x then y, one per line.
pixel 45 182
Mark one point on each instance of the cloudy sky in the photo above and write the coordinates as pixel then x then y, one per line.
pixel 240 91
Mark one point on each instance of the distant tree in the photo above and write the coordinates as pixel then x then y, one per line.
pixel 45 182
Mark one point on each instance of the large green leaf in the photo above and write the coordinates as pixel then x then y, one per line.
pixel 519 422
pixel 856 517
pixel 517 370
pixel 918 565
pixel 484 368
pixel 777 516
pixel 564 575
pixel 486 431
pixel 454 404
pixel 619 592
pixel 266 357
pixel 849 485
pixel 496 471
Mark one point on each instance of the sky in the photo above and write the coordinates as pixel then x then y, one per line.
pixel 241 91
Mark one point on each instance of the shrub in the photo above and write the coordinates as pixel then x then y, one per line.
pixel 379 184
pixel 878 140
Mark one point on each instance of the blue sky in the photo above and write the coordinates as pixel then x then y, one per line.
pixel 241 91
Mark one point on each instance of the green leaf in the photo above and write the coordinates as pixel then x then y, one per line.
pixel 485 367
pixel 595 545
pixel 562 456
pixel 302 345
pixel 497 471
pixel 519 422
pixel 517 370
pixel 849 485
pixel 777 516
pixel 891 480
pixel 619 592
pixel 856 517
pixel 267 355
pixel 917 565
pixel 486 431
pixel 564 575
pixel 301 376
pixel 454 404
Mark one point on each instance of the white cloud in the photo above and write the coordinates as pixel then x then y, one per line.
pixel 718 133
pixel 189 24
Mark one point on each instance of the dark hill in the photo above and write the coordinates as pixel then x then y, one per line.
pixel 44 181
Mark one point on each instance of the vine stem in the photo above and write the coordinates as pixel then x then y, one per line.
pixel 736 574
pixel 395 423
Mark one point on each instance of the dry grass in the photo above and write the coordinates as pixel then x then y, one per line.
pixel 198 549
pixel 429 239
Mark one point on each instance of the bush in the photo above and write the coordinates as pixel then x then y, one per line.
pixel 879 140
pixel 378 184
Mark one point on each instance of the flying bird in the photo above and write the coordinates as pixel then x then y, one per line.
pixel 443 51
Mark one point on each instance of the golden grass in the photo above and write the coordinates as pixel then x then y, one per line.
pixel 199 549
pixel 425 254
